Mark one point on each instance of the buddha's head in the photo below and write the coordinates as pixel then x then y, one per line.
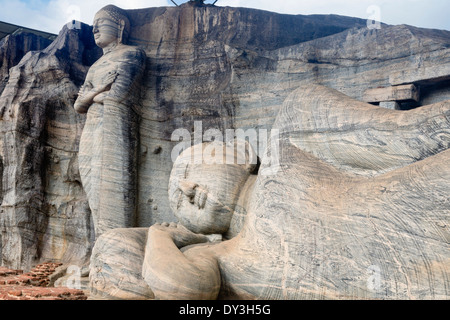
pixel 111 26
pixel 203 194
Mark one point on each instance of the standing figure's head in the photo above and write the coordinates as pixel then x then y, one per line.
pixel 205 184
pixel 111 26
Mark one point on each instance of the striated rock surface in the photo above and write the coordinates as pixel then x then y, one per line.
pixel 12 50
pixel 44 212
pixel 227 67
pixel 324 221
pixel 116 263
pixel 228 82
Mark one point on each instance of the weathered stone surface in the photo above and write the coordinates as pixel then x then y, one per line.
pixel 225 85
pixel 35 285
pixel 215 65
pixel 207 64
pixel 222 80
pixel 317 226
pixel 375 142
pixel 428 74
pixel 44 212
pixel 394 105
pixel 116 263
pixel 12 50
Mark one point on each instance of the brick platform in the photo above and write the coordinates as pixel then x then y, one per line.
pixel 33 285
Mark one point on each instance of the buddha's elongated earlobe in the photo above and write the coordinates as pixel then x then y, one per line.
pixel 121 30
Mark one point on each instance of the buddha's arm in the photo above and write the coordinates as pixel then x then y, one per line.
pixel 83 101
pixel 129 76
pixel 88 92
pixel 174 275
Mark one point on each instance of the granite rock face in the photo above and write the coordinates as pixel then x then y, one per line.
pixel 44 213
pixel 332 218
pixel 230 68
pixel 12 50
pixel 228 83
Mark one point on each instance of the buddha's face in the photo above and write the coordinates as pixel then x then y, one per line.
pixel 203 196
pixel 106 30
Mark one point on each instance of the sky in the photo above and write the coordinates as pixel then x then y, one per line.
pixel 52 15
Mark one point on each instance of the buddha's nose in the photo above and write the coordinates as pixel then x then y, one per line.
pixel 188 188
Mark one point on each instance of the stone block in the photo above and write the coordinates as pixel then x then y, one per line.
pixel 394 105
pixel 396 93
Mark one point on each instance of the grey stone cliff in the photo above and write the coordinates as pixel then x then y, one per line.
pixel 13 48
pixel 44 214
pixel 231 68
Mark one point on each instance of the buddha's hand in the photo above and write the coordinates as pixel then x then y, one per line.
pixel 99 98
pixel 180 235
pixel 102 90
pixel 107 82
